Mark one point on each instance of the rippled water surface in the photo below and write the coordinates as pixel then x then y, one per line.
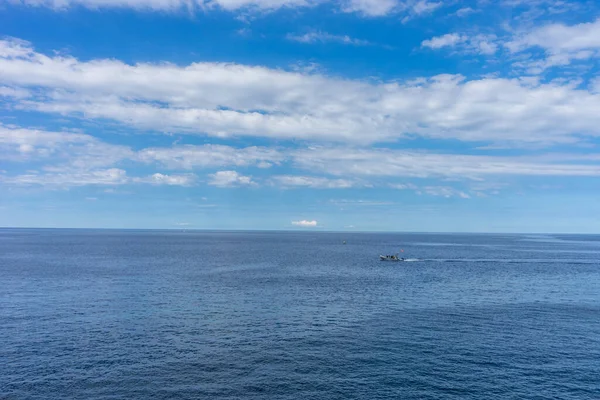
pixel 228 315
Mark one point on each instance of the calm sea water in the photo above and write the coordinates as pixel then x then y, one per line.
pixel 225 315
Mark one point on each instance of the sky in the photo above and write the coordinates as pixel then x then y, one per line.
pixel 318 115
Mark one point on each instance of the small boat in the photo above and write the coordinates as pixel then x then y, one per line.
pixel 391 258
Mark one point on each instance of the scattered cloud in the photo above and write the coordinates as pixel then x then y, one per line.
pixel 367 8
pixel 561 43
pixel 75 150
pixel 444 191
pixel 477 44
pixel 74 159
pixel 419 8
pixel 111 176
pixel 448 40
pixel 6 91
pixel 170 180
pixel 463 12
pixel 305 224
pixel 324 37
pixel 225 100
pixel 371 8
pixel 91 198
pixel 210 155
pixel 397 163
pixel 170 5
pixel 360 203
pixel 403 186
pixel 230 179
pixel 205 205
pixel 294 181
pixel 425 7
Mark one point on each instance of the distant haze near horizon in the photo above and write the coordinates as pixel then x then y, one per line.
pixel 342 115
pixel 347 232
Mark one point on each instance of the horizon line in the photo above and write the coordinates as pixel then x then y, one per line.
pixel 307 230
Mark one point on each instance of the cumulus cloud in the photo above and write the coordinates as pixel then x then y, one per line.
pixel 561 43
pixel 225 100
pixel 230 179
pixel 305 223
pixel 448 40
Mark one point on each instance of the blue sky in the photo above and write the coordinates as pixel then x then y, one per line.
pixel 358 115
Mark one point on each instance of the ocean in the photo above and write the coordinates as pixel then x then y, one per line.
pixel 125 314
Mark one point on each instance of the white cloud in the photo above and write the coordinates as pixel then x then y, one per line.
pixel 74 149
pixel 369 8
pixel 444 191
pixel 561 43
pixel 170 5
pixel 305 223
pixel 448 40
pixel 210 155
pixel 425 7
pixel 463 12
pixel 477 44
pixel 6 91
pixel 171 180
pixel 403 186
pixel 324 37
pixel 419 8
pixel 111 176
pixel 292 181
pixel 74 159
pixel 230 179
pixel 372 8
pixel 80 177
pixel 397 163
pixel 361 203
pixel 259 4
pixel 281 104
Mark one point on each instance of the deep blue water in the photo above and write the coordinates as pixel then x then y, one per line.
pixel 225 315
